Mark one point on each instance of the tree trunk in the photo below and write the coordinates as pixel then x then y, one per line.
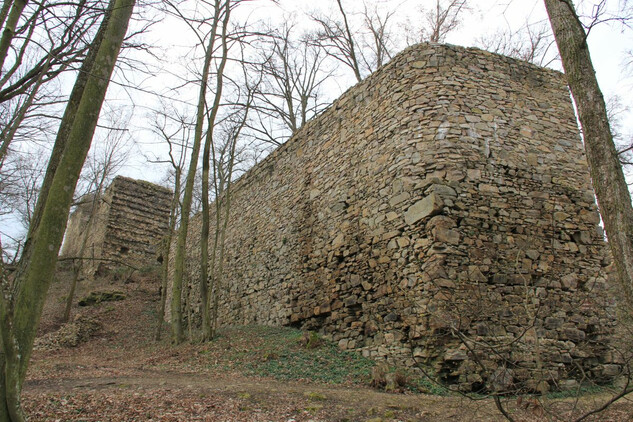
pixel 350 43
pixel 21 303
pixel 9 29
pixel 181 244
pixel 62 136
pixel 166 251
pixel 221 222
pixel 608 180
pixel 207 332
pixel 220 241
pixel 204 233
pixel 77 268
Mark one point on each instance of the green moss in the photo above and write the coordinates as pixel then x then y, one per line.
pixel 97 297
pixel 314 396
pixel 281 353
pixel 577 392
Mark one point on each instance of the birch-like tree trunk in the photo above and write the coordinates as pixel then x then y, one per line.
pixel 23 297
pixel 608 180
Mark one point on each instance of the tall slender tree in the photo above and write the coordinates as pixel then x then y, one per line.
pixel 207 332
pixel 223 169
pixel 607 177
pixel 181 243
pixel 23 293
pixel 176 139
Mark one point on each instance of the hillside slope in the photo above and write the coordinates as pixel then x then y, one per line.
pixel 103 366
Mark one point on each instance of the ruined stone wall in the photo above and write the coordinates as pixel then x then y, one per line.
pixel 77 227
pixel 131 219
pixel 441 204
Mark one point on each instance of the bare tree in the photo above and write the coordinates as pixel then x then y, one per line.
pixel 380 41
pixel 20 185
pixel 444 19
pixel 606 172
pixel 224 159
pixel 292 72
pixel 531 43
pixel 24 292
pixel 441 19
pixel 207 330
pixel 335 37
pixel 175 129
pixel 62 134
pixel 179 260
pixel 39 42
pixel 365 39
pixel 103 161
pixel 20 180
pixel 212 38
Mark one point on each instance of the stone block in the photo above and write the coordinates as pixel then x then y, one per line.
pixel 442 190
pixel 574 334
pixel 455 355
pixel 399 199
pixel 552 323
pixel 429 206
pixel 446 236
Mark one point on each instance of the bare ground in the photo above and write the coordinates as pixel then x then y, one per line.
pixel 120 374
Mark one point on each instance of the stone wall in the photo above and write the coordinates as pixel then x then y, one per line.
pixel 130 220
pixel 78 222
pixel 442 204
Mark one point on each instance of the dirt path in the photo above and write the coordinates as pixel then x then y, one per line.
pixel 170 396
pixel 242 399
pixel 169 380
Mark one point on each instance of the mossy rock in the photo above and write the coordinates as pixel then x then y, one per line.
pixel 97 297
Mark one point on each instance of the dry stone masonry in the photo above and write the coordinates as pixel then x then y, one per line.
pixel 439 208
pixel 126 228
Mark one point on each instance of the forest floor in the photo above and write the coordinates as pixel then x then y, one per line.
pixel 104 366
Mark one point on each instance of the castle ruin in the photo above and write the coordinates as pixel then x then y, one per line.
pixel 122 228
pixel 439 207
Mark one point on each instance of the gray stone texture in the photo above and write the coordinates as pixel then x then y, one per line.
pixel 446 195
pixel 130 221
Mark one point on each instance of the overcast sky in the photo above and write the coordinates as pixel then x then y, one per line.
pixel 608 44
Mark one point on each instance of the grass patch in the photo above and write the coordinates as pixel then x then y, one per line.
pixel 287 353
pixel 578 392
pixel 313 396
pixel 395 380
pixel 282 353
pixel 422 384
